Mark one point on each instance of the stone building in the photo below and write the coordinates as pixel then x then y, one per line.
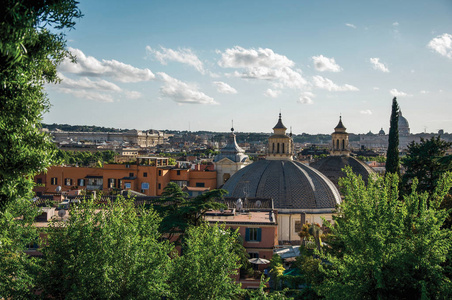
pixel 231 159
pixel 300 193
pixel 339 158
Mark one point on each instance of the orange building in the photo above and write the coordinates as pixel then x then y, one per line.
pixel 149 176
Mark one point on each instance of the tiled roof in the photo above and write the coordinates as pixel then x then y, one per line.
pixel 291 185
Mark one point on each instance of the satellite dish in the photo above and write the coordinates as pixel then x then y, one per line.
pixel 58 189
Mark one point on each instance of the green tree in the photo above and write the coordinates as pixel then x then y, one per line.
pixel 17 269
pixel 29 54
pixel 208 265
pixel 178 211
pixel 392 249
pixel 427 162
pixel 392 155
pixel 106 252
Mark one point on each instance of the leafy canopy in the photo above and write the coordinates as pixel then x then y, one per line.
pixel 389 248
pixel 29 54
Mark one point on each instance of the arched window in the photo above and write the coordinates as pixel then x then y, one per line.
pixel 343 144
pixel 273 150
pixel 337 144
pixel 283 148
pixel 277 148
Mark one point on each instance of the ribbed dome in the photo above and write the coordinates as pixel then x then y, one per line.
pixel 332 166
pixel 404 127
pixel 291 185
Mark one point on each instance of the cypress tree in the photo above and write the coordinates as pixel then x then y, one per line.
pixel 392 156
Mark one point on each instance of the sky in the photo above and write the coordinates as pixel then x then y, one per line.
pixel 199 65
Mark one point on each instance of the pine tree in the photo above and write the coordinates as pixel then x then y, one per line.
pixel 392 156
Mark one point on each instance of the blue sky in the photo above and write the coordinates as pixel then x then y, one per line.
pixel 200 64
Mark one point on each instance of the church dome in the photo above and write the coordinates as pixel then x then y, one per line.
pixel 332 166
pixel 291 185
pixel 404 127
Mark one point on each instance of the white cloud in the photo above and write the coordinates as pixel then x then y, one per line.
pixel 262 64
pixel 185 56
pixel 366 112
pixel 182 92
pixel 395 24
pixel 350 25
pixel 87 84
pixel 239 57
pixel 272 93
pixel 306 98
pixel 326 84
pixel 90 66
pixel 377 65
pixel 396 93
pixel 89 95
pixel 322 64
pixel 442 44
pixel 224 88
pixel 376 88
pixel 424 92
pixel 97 90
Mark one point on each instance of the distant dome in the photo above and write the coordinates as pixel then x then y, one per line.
pixel 332 166
pixel 381 132
pixel 404 127
pixel 232 150
pixel 291 185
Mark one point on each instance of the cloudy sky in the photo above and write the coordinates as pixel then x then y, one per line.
pixel 200 64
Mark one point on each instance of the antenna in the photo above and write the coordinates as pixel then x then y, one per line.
pixel 232 125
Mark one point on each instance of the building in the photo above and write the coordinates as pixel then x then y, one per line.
pixel 133 137
pixel 149 176
pixel 300 193
pixel 339 158
pixel 231 159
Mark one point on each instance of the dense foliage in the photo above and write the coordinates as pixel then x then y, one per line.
pixel 29 53
pixel 392 155
pixel 388 248
pixel 84 158
pixel 427 162
pixel 111 251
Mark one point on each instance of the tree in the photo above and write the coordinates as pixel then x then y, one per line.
pixel 207 266
pixel 427 162
pixel 178 211
pixel 29 53
pixel 392 155
pixel 392 249
pixel 105 252
pixel 18 269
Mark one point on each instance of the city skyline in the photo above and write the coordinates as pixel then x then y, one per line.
pixel 197 66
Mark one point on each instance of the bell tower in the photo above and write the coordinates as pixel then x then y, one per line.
pixel 340 140
pixel 280 145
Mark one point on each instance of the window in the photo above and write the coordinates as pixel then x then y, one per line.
pixel 298 226
pixel 119 183
pixel 131 174
pixel 253 234
pixel 178 172
pixel 144 186
pixel 145 174
pixel 81 182
pixel 283 148
pixel 160 172
pixel 67 181
pixel 111 182
pixel 127 185
pixel 254 254
pixel 160 186
pixel 200 184
pixel 38 180
pixel 54 181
